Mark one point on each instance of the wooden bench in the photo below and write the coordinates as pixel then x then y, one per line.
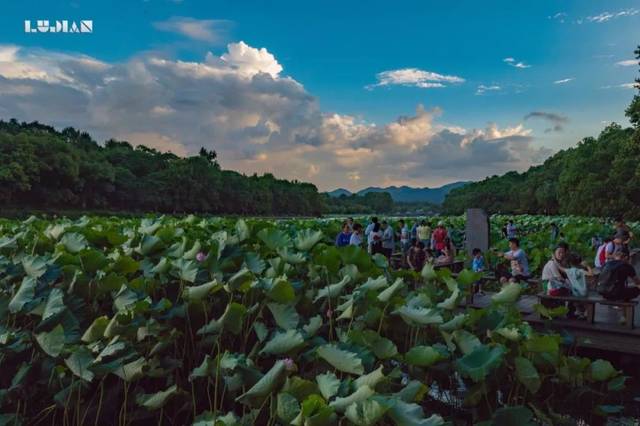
pixel 455 266
pixel 590 302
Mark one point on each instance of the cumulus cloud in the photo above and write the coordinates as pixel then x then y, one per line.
pixel 257 118
pixel 209 30
pixel 414 77
pixel 564 80
pixel 516 64
pixel 607 16
pixel 557 121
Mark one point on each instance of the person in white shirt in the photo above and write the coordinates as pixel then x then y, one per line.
pixel 368 231
pixel 356 235
pixel 388 239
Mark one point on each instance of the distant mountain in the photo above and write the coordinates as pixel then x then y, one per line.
pixel 407 194
pixel 338 192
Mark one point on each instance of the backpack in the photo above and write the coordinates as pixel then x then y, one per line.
pixel 602 255
pixel 606 283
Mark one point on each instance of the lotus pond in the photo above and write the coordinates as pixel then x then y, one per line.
pixel 210 321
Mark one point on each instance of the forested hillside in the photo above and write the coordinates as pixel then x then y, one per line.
pixel 43 169
pixel 599 177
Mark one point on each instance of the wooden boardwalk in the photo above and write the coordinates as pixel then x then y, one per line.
pixel 605 334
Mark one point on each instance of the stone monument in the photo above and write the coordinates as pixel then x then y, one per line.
pixel 477 230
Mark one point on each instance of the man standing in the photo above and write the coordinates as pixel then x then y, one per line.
pixel 519 262
pixel 388 239
pixel 405 238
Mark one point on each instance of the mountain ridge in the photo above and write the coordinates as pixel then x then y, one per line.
pixel 406 194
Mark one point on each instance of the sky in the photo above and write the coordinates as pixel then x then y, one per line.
pixel 344 94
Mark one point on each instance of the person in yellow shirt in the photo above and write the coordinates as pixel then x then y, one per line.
pixel 424 233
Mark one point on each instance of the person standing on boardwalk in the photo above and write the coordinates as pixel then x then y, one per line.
pixel 388 239
pixel 437 238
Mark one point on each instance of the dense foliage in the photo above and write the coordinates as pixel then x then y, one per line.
pixel 223 322
pixel 43 169
pixel 599 177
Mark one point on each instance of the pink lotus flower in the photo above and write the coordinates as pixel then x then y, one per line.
pixel 289 364
pixel 201 257
pixel 329 313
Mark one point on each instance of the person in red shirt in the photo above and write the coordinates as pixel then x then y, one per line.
pixel 438 238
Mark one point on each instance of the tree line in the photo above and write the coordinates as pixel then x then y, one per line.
pixel 598 177
pixel 49 170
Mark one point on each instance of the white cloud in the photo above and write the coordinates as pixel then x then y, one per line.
pixel 621 86
pixel 628 63
pixel 516 64
pixel 564 80
pixel 414 77
pixel 482 89
pixel 560 17
pixel 242 105
pixel 607 16
pixel 209 30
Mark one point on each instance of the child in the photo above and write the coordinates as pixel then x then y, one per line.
pixel 477 265
pixel 577 276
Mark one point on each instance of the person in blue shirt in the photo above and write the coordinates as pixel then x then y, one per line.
pixel 343 238
pixel 477 265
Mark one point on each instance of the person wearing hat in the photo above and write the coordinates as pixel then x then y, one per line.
pixel 612 283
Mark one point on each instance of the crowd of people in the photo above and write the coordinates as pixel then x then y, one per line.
pixel 565 274
pixel 418 245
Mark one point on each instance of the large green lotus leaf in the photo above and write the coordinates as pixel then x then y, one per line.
pixel 299 387
pixel 254 263
pixel 353 255
pixel 199 292
pixel 24 295
pixel 313 326
pixel 467 277
pixel 374 284
pixel 161 267
pixel 52 342
pixel 422 356
pixel 332 290
pixel 207 418
pixel 314 412
pixel 287 407
pixel 291 257
pixel 388 293
pixel 451 302
pixel 328 384
pixel 186 270
pixel 350 271
pixel 79 363
pixel 527 374
pixel 35 266
pixel 282 343
pixel 74 242
pixel 418 315
pixel 54 231
pixel 95 330
pixel 8 242
pixel 149 244
pixel 543 344
pixel 286 316
pixel 131 371
pixel 156 400
pixel 414 391
pixel 404 414
pixel 149 226
pixel 454 323
pixel 466 341
pixel 366 413
pixel 231 320
pixel 241 280
pixel 509 333
pixel 93 260
pixel 343 360
pixel 281 291
pixel 193 251
pixel 329 258
pixel 602 370
pixel 125 265
pixel 428 272
pixel 114 347
pixel 513 416
pixel 617 384
pixel 370 379
pixel 384 348
pixel 54 308
pixel 271 381
pixel 479 363
pixel 361 394
pixel 307 238
pixel 508 295
pixel 274 238
pixel 345 309
pixel 242 230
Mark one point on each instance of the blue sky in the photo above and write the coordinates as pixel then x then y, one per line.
pixel 547 73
